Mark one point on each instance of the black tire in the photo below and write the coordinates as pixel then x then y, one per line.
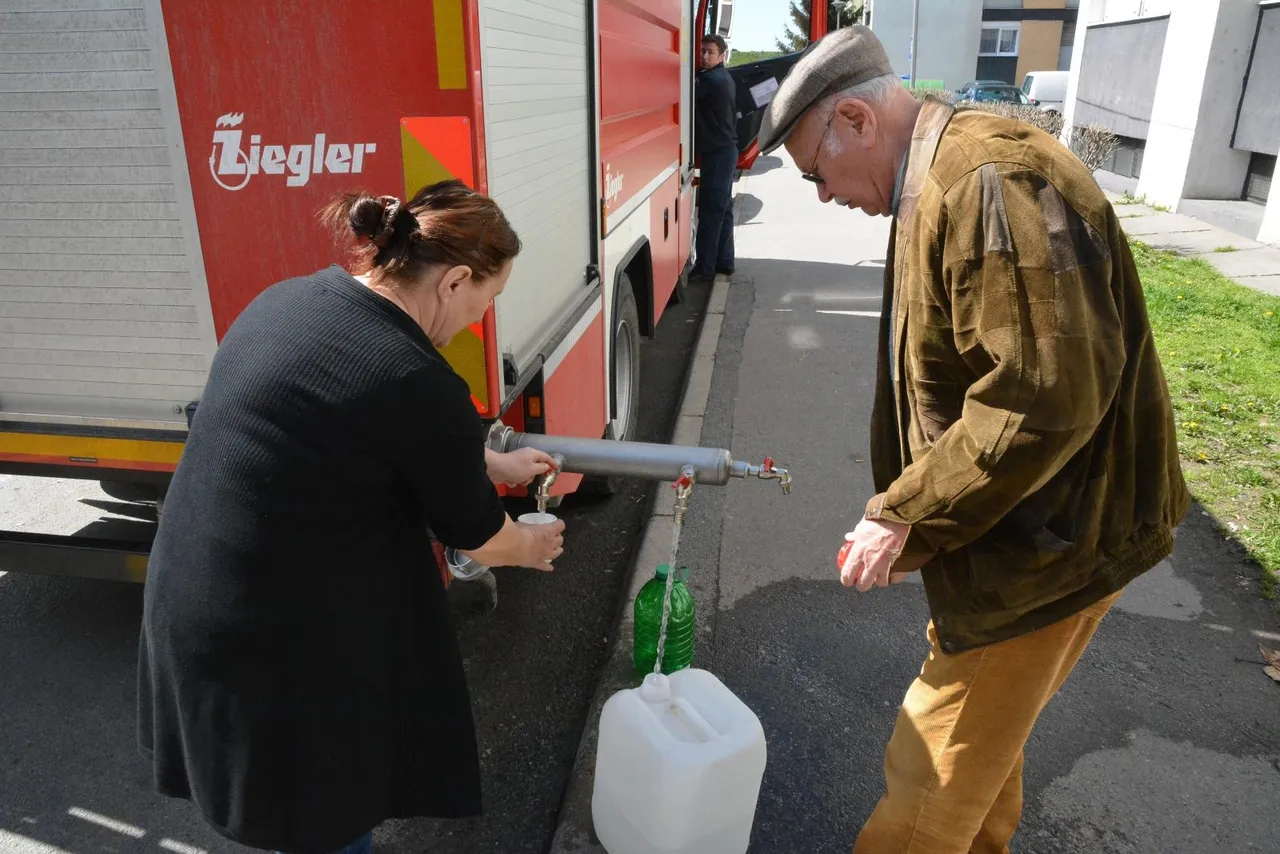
pixel 624 381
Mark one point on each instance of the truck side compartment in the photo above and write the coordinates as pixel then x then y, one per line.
pixel 106 329
pixel 537 126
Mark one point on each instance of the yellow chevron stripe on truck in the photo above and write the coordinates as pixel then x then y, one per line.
pixel 451 46
pixel 439 148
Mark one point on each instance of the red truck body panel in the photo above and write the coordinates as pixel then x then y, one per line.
pixel 325 111
pixel 639 97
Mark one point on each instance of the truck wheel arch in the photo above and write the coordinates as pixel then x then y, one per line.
pixel 637 265
pixel 632 290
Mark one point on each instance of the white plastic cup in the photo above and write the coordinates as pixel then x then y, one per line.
pixel 537 519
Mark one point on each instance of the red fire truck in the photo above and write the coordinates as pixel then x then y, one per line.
pixel 163 161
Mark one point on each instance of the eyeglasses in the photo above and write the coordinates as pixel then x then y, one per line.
pixel 812 174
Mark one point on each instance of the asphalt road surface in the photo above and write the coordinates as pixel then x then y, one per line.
pixel 70 776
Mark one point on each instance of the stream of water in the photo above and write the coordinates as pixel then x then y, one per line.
pixel 676 524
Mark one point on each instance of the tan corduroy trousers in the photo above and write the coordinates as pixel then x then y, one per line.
pixel 953 766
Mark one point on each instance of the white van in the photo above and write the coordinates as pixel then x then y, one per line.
pixel 1046 89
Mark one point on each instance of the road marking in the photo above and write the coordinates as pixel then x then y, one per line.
pixel 828 297
pixel 108 823
pixel 20 844
pixel 850 313
pixel 180 847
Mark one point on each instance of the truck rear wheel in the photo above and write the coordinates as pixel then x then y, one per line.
pixel 624 381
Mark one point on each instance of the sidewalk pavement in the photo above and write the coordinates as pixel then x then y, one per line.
pixel 1165 739
pixel 1245 261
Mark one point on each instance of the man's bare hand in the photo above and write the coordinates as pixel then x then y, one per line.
pixel 873 546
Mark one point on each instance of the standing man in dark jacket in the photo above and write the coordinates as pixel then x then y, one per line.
pixel 715 143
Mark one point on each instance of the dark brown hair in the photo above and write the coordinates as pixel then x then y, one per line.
pixel 446 224
pixel 718 41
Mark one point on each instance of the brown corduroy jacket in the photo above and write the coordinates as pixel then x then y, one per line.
pixel 1022 425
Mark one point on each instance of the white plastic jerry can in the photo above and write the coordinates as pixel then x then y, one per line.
pixel 678 768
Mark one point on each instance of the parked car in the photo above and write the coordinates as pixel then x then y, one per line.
pixel 1046 89
pixel 992 90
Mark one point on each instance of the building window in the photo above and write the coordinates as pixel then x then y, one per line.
pixel 999 40
pixel 1127 159
pixel 1257 183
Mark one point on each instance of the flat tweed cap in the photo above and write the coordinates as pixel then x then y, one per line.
pixel 845 58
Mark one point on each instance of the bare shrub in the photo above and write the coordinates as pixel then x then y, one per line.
pixel 940 94
pixel 1050 123
pixel 1094 145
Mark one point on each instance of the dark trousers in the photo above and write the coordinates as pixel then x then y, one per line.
pixel 715 212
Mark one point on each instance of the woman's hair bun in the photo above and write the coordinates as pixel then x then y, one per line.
pixel 444 224
pixel 374 217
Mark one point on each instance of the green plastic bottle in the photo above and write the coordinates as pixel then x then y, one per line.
pixel 678 652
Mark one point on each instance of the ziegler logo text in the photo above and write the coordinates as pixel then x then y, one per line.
pixel 232 165
pixel 612 185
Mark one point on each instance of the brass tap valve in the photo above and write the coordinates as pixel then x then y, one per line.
pixel 544 483
pixel 768 471
pixel 684 489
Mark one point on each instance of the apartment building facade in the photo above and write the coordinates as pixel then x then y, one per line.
pixel 964 40
pixel 1192 88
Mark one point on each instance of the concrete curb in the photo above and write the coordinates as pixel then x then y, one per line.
pixel 574 834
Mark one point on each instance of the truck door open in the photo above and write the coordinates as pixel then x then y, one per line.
pixel 757 81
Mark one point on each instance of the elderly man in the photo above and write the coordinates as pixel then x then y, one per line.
pixel 1022 440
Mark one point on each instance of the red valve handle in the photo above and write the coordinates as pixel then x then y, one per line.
pixel 768 463
pixel 683 481
pixel 843 554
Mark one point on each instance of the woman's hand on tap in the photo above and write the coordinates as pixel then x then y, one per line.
pixel 518 468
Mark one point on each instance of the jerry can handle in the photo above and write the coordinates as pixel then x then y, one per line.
pixel 706 730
